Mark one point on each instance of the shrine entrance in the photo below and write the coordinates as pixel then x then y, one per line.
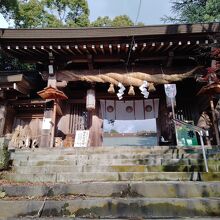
pixel 130 123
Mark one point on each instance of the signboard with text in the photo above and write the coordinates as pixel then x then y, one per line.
pixel 81 138
pixel 170 90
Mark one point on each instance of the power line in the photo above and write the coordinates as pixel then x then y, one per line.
pixel 133 40
pixel 138 12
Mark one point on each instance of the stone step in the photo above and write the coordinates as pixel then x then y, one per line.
pixel 44 169
pixel 108 176
pixel 118 162
pixel 125 189
pixel 87 162
pixel 113 208
pixel 71 218
pixel 111 150
pixel 101 176
pixel 89 150
pixel 96 156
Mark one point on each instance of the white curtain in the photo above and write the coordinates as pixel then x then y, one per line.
pixel 129 110
pixel 125 110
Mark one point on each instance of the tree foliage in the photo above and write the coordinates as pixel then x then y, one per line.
pixel 194 11
pixel 52 13
pixel 118 21
pixel 8 8
pixel 102 22
pixel 10 63
pixel 122 21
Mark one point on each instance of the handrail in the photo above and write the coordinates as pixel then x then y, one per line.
pixel 201 132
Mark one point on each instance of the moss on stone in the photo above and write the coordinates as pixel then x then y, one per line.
pixel 4 158
pixel 211 176
pixel 125 168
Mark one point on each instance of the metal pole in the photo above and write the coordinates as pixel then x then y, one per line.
pixel 203 151
pixel 173 112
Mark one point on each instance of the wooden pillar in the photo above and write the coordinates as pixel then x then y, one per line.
pixel 164 121
pixel 46 129
pixel 214 121
pixel 158 127
pixel 9 120
pixel 53 128
pixel 213 64
pixel 47 134
pixel 96 128
pixel 3 112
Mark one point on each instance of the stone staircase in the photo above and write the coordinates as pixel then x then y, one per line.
pixel 110 183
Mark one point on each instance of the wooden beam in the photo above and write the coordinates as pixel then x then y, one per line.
pixel 108 60
pixel 110 48
pixel 167 47
pixel 59 109
pixel 86 49
pixel 69 49
pixel 31 50
pixel 118 48
pixel 52 49
pixel 143 47
pixel 20 89
pixel 102 48
pixel 59 47
pixel 39 51
pixel 170 59
pixel 94 49
pixel 27 51
pixel 29 102
pixel 126 48
pixel 154 58
pixel 159 47
pixel 16 51
pixel 43 49
pixel 77 49
pixel 90 62
pixel 151 48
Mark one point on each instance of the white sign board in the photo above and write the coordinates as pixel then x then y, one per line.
pixel 46 123
pixel 81 138
pixel 170 90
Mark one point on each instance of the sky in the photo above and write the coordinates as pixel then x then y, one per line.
pixel 150 13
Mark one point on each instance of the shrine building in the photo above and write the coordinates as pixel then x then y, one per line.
pixel 103 86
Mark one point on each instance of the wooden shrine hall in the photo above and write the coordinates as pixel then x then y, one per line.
pixel 86 76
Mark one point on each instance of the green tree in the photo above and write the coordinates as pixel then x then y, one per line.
pixel 118 21
pixel 8 8
pixel 72 13
pixel 194 11
pixel 122 21
pixel 52 13
pixel 102 22
pixel 10 63
pixel 30 14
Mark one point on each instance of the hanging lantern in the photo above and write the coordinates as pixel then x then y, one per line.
pixel 90 100
pixel 111 89
pixel 131 91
